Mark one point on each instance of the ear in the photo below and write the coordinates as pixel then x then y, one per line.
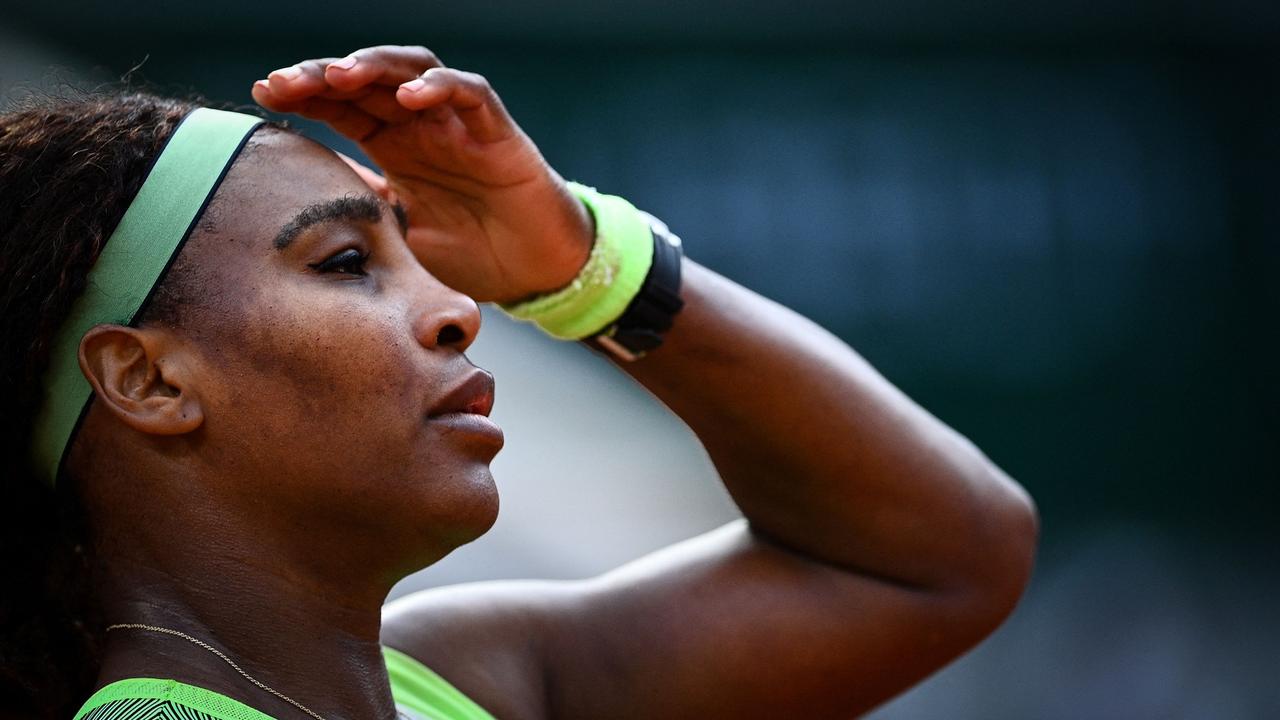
pixel 142 377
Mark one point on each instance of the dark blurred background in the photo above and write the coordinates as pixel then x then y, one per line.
pixel 1055 226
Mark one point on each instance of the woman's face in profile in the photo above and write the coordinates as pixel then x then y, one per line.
pixel 320 346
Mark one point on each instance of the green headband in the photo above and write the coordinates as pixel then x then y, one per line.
pixel 134 260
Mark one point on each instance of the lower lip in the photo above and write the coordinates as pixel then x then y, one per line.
pixel 469 423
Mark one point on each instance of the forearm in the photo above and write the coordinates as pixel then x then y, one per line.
pixel 822 454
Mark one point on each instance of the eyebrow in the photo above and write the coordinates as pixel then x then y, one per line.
pixel 351 208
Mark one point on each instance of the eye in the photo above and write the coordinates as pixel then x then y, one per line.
pixel 346 262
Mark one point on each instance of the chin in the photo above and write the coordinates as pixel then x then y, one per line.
pixel 483 512
pixel 462 504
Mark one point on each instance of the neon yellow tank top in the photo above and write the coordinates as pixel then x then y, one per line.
pixel 418 692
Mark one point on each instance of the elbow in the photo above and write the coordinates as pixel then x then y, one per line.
pixel 1020 522
pixel 1002 556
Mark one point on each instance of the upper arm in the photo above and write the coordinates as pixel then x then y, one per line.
pixel 730 625
pixel 485 638
pixel 723 625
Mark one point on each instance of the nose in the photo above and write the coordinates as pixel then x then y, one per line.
pixel 445 317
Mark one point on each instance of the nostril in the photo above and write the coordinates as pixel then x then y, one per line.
pixel 450 334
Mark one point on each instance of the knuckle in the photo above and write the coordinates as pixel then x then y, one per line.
pixel 372 54
pixel 420 54
pixel 476 82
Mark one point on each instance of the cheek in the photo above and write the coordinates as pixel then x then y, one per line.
pixel 327 397
pixel 338 379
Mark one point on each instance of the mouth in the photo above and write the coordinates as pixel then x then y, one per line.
pixel 465 410
pixel 473 396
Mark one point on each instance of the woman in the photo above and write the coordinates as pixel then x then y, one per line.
pixel 289 425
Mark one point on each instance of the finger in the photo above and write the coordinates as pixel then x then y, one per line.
pixel 382 65
pixel 376 101
pixel 341 115
pixel 376 182
pixel 348 77
pixel 261 92
pixel 349 120
pixel 469 96
pixel 307 79
pixel 299 81
pixel 382 104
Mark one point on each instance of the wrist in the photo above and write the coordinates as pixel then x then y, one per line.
pixel 580 233
pixel 627 293
pixel 615 269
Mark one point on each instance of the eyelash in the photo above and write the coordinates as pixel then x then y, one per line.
pixel 342 262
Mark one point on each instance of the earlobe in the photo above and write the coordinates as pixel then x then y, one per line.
pixel 139 375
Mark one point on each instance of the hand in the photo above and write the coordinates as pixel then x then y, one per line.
pixel 487 214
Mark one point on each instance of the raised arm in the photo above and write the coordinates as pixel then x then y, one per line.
pixel 826 458
pixel 877 543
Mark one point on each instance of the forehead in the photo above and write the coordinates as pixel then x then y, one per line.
pixel 276 176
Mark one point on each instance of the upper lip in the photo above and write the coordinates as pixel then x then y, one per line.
pixel 472 395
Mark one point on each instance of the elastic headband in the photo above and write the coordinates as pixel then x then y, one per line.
pixel 158 221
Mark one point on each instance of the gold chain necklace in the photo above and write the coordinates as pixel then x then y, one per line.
pixel 229 661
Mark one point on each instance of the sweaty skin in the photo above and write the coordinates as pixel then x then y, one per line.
pixel 271 474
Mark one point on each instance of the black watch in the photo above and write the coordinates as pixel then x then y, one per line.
pixel 640 327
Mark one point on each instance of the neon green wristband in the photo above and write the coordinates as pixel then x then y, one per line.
pixel 607 283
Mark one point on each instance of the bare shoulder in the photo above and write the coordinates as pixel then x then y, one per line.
pixel 487 639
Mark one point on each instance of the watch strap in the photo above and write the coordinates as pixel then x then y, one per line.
pixel 651 313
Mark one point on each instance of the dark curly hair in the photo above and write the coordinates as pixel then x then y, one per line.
pixel 68 169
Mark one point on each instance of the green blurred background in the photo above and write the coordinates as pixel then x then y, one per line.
pixel 1054 226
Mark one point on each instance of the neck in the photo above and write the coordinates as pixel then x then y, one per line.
pixel 314 641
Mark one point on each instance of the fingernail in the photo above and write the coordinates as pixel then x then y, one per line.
pixel 290 73
pixel 345 63
pixel 414 85
pixel 262 84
